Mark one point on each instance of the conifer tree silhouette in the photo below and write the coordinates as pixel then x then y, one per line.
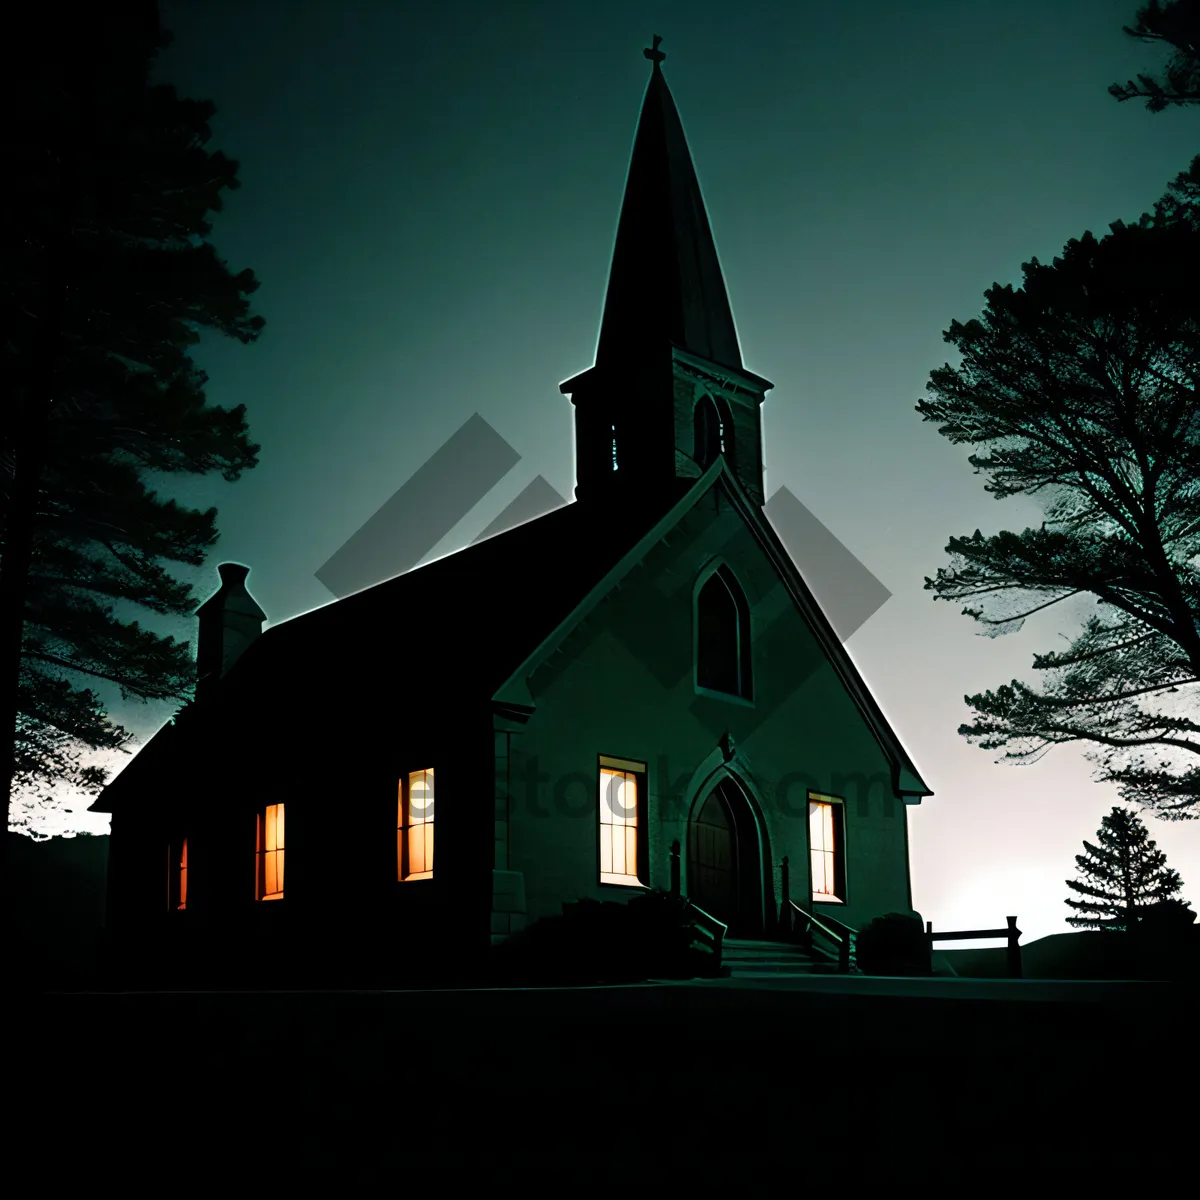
pixel 1123 876
pixel 1174 24
pixel 1034 392
pixel 109 280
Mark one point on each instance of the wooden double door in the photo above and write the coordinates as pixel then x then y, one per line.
pixel 724 863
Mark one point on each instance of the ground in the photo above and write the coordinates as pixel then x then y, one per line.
pixel 907 1081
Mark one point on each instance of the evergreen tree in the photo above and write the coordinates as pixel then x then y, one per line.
pixel 1122 877
pixel 1181 204
pixel 1083 383
pixel 108 279
pixel 1174 23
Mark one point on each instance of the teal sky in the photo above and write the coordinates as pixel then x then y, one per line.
pixel 430 196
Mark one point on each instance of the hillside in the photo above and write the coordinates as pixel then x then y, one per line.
pixel 1083 955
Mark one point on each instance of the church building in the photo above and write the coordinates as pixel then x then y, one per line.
pixel 635 691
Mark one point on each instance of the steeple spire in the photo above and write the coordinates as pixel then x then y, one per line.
pixel 665 285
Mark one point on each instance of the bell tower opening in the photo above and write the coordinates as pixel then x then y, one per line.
pixel 712 425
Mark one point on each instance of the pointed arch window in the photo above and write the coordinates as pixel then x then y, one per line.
pixel 713 428
pixel 723 636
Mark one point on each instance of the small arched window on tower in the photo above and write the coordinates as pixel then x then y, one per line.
pixel 723 636
pixel 713 428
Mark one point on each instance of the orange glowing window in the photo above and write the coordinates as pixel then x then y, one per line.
pixel 414 826
pixel 269 857
pixel 177 875
pixel 620 805
pixel 825 843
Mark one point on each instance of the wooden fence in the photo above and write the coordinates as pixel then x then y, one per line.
pixel 1012 933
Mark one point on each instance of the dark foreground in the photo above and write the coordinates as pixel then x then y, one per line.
pixel 584 1089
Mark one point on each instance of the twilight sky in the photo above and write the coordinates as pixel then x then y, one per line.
pixel 430 195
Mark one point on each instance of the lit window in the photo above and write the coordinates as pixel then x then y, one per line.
pixel 177 875
pixel 825 842
pixel 620 806
pixel 269 872
pixel 414 832
pixel 723 636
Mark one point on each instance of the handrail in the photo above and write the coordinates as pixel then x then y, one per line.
pixel 787 923
pixel 711 928
pixel 1012 933
pixel 844 940
pixel 708 925
pixel 840 927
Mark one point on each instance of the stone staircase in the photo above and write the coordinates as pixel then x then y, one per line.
pixel 745 958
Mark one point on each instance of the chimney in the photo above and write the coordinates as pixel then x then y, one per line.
pixel 229 621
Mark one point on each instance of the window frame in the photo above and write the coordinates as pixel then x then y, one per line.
pixel 636 768
pixel 261 895
pixel 404 825
pixel 837 805
pixel 745 655
pixel 177 867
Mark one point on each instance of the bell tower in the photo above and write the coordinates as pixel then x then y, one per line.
pixel 668 392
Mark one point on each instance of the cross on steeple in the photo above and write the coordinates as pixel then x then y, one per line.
pixel 654 54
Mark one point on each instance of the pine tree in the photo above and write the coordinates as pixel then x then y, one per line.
pixel 1122 877
pixel 1173 23
pixel 108 278
pixel 1081 386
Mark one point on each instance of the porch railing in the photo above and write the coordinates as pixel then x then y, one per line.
pixel 797 924
pixel 804 924
pixel 708 934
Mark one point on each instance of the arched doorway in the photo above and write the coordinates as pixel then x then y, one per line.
pixel 724 863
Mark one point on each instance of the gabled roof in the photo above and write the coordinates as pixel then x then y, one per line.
pixel 459 624
pixel 905 780
pixel 472 626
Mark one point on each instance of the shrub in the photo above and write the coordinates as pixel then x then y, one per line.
pixel 1165 917
pixel 1166 942
pixel 605 942
pixel 894 944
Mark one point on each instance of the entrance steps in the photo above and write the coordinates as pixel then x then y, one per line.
pixel 749 958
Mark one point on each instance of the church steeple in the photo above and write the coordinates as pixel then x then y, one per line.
pixel 665 284
pixel 668 390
